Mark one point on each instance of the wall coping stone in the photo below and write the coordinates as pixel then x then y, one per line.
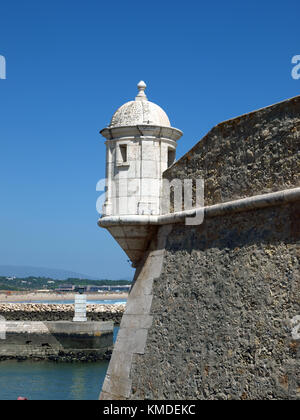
pixel 235 206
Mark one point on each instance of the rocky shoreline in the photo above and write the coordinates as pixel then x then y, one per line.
pixel 59 312
pixel 65 357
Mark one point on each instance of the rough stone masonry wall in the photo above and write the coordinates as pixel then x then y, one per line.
pixel 221 311
pixel 225 292
pixel 253 154
pixel 223 304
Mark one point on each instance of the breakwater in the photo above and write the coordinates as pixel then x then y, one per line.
pixel 57 340
pixel 59 312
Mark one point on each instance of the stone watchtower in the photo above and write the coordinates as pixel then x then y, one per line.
pixel 140 146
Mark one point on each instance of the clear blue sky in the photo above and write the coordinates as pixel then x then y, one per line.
pixel 70 64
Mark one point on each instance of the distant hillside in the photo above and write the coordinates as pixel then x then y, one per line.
pixel 27 271
pixel 42 283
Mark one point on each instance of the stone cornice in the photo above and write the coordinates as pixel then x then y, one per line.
pixel 141 130
pixel 236 206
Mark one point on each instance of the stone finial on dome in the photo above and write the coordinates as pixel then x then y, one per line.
pixel 141 96
pixel 139 112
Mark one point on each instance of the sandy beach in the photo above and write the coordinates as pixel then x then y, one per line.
pixel 33 297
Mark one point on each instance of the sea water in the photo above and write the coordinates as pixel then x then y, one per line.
pixel 69 302
pixel 52 380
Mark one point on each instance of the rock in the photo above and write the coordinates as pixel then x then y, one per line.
pixel 59 312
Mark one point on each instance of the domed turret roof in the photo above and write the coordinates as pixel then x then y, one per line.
pixel 140 112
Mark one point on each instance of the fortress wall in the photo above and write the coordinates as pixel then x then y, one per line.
pixel 223 295
pixel 136 321
pixel 253 154
pixel 222 310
